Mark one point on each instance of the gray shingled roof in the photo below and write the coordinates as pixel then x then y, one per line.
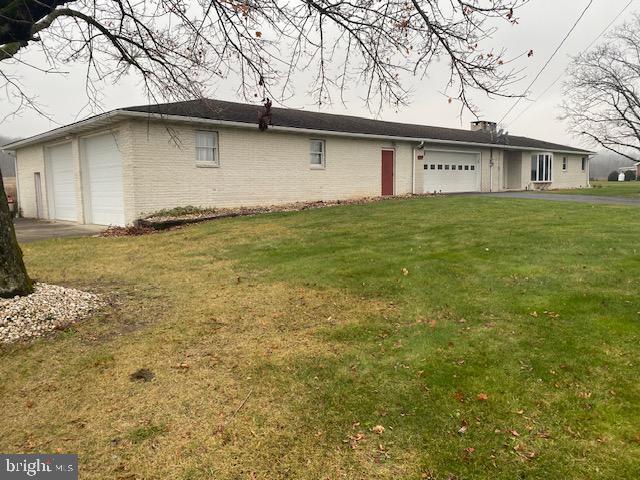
pixel 285 117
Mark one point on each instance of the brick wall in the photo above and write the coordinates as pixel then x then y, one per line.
pixel 256 168
pixel 30 160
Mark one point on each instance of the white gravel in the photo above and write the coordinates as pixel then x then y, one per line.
pixel 48 308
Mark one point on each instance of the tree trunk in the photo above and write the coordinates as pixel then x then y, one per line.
pixel 13 275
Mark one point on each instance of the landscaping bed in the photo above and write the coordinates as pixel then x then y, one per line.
pixel 185 215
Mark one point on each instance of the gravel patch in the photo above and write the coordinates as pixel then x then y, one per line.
pixel 48 308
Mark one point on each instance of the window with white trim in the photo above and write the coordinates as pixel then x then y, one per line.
pixel 541 167
pixel 317 153
pixel 207 148
pixel 564 164
pixel 584 163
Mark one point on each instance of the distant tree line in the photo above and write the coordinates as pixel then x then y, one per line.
pixel 604 163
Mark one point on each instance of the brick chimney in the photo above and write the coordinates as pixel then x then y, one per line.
pixel 484 126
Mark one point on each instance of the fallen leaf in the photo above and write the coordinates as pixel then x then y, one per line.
pixel 459 396
pixel 379 429
pixel 515 433
pixel 405 272
pixel 483 397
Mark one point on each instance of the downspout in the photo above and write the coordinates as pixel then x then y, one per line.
pixel 420 146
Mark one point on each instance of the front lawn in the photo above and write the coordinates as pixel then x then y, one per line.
pixel 605 189
pixel 431 338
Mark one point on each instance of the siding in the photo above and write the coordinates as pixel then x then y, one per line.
pixel 256 168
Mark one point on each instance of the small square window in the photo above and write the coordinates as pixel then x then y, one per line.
pixel 446 167
pixel 473 167
pixel 439 167
pixel 459 167
pixel 317 153
pixel 426 167
pixel 433 166
pixel 466 167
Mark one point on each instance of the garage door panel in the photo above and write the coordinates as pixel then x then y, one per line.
pixel 103 161
pixel 62 183
pixel 449 172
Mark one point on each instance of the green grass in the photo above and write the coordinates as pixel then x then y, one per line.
pixel 278 343
pixel 605 189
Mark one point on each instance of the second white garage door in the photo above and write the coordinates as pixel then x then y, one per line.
pixel 447 172
pixel 103 181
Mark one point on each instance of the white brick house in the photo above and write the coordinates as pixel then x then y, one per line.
pixel 118 166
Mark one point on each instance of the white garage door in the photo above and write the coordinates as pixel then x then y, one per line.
pixel 103 181
pixel 61 183
pixel 451 172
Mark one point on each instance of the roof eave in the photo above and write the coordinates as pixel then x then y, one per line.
pixel 104 118
pixel 114 114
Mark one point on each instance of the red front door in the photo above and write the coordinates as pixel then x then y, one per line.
pixel 387 172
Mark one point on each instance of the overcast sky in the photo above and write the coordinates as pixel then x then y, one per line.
pixel 543 24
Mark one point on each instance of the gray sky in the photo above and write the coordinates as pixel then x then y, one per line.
pixel 543 24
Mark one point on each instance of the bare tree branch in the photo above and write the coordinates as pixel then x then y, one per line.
pixel 603 92
pixel 179 48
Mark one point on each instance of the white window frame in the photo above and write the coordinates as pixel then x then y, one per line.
pixel 565 164
pixel 322 153
pixel 215 148
pixel 544 174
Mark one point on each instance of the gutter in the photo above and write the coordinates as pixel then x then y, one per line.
pixel 180 118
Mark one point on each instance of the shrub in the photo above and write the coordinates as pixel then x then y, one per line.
pixel 629 175
pixel 180 211
pixel 613 176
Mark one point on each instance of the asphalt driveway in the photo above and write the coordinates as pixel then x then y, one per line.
pixel 594 200
pixel 29 230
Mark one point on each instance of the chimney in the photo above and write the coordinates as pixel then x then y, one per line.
pixel 484 126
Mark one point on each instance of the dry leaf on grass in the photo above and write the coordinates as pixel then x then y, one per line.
pixel 482 397
pixel 379 429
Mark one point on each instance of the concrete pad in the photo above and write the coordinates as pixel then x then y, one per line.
pixel 29 230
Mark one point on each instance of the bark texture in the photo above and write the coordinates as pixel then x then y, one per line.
pixel 13 274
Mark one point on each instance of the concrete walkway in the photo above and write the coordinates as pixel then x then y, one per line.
pixel 29 230
pixel 558 197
